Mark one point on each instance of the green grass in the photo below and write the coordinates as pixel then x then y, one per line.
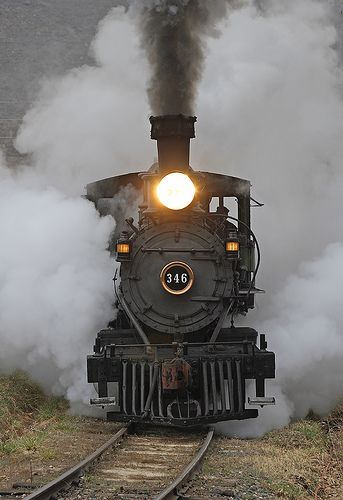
pixel 26 443
pixel 48 454
pixel 52 407
pixel 67 424
pixel 287 490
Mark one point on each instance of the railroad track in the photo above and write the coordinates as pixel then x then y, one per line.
pixel 145 464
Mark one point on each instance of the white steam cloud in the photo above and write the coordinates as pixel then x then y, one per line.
pixel 270 109
pixel 55 282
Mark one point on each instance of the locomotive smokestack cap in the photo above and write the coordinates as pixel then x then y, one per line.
pixel 173 134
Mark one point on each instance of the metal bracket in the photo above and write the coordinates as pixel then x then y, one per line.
pixel 257 204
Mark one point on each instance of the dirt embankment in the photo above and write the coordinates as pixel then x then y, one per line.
pixel 38 438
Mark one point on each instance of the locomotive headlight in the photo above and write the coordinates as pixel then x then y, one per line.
pixel 176 191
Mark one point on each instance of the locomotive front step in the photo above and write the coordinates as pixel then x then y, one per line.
pixel 261 401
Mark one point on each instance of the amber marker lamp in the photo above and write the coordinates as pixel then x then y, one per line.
pixel 232 247
pixel 123 250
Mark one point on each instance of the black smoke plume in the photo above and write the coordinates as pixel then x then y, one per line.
pixel 173 34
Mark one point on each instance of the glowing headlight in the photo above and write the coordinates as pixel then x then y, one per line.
pixel 176 191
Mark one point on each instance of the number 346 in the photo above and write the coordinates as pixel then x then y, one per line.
pixel 177 278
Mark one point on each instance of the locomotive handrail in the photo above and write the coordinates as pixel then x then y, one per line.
pixel 134 320
pixel 185 344
pixel 256 243
pixel 183 250
pixel 257 249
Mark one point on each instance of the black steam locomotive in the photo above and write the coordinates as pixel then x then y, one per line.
pixel 186 269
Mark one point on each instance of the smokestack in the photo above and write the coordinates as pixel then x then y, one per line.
pixel 173 134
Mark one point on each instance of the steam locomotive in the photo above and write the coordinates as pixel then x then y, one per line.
pixel 187 268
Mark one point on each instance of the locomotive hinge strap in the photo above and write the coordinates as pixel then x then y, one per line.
pixel 205 258
pixel 253 291
pixel 206 299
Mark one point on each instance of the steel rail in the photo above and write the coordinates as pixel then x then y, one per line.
pixel 172 491
pixel 46 491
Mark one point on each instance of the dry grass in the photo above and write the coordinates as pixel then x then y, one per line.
pixel 25 412
pixel 305 460
pixel 332 470
pixel 290 460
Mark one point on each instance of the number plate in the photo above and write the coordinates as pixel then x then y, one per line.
pixel 177 277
